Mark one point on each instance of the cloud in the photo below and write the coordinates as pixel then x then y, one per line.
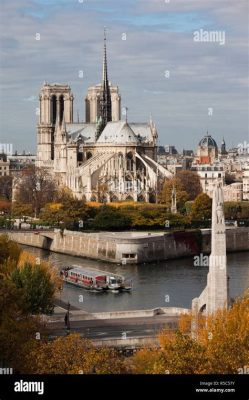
pixel 159 38
pixel 30 98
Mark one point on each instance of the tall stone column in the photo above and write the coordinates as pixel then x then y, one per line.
pixel 173 201
pixel 215 295
pixel 217 276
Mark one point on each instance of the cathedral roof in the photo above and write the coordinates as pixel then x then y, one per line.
pixel 142 130
pixel 87 131
pixel 119 133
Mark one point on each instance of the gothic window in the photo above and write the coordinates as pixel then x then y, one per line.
pixel 128 185
pixel 141 198
pixel 53 109
pixel 114 198
pixel 103 199
pixel 152 198
pixel 129 198
pixel 120 158
pixel 130 162
pixel 61 102
pixel 79 157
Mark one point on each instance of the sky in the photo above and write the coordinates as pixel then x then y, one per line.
pixel 187 86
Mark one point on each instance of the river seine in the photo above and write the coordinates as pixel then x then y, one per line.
pixel 172 283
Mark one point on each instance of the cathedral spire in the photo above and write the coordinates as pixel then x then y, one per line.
pixel 105 96
pixel 104 69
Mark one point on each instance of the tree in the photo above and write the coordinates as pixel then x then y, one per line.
pixel 201 208
pixel 103 190
pixel 225 337
pixel 178 354
pixel 66 214
pixel 35 187
pixel 37 286
pixel 236 210
pixel 6 187
pixel 63 194
pixel 221 345
pixel 165 197
pixel 10 253
pixel 73 355
pixel 52 213
pixel 5 206
pixel 190 183
pixel 21 209
pixel 111 218
pixel 18 330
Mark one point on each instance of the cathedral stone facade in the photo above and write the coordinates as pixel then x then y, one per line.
pixel 104 159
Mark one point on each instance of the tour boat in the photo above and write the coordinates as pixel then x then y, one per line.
pixel 93 279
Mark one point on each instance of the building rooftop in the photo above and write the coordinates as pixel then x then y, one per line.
pixel 85 130
pixel 119 133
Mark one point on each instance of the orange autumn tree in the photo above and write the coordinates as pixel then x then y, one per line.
pixel 221 345
pixel 72 355
pixel 226 338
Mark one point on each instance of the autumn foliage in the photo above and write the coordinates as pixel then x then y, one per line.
pixel 73 355
pixel 221 345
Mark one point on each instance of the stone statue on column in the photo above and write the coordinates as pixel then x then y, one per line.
pixel 215 294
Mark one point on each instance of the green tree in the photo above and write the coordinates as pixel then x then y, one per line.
pixel 37 286
pixel 66 214
pixel 18 330
pixel 110 218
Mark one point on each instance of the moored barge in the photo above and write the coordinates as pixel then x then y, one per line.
pixel 89 278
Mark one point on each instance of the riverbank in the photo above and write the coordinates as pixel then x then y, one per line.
pixel 131 247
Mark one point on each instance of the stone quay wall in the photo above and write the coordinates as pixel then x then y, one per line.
pixel 131 247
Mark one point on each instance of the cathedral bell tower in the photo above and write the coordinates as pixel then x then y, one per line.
pixel 56 104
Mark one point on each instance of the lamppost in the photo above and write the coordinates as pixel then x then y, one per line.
pixel 67 319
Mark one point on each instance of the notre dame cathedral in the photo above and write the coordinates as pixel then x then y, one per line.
pixel 104 159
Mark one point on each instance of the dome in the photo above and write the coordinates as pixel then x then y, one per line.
pixel 208 141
